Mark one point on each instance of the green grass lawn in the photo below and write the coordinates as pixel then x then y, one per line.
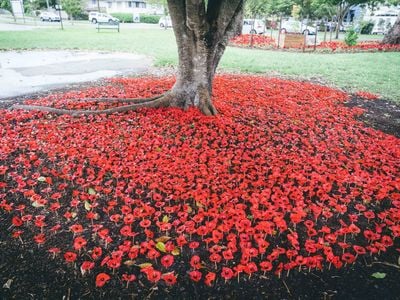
pixel 373 72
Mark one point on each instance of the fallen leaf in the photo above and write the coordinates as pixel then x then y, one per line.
pixel 379 275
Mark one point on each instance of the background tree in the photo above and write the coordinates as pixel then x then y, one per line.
pixel 342 8
pixel 256 8
pixel 42 4
pixel 72 7
pixel 5 4
pixel 202 30
pixel 280 7
pixel 162 3
pixel 323 9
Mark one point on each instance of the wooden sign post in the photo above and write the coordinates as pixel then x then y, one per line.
pixel 294 40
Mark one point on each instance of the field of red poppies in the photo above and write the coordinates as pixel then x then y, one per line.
pixel 284 180
pixel 266 42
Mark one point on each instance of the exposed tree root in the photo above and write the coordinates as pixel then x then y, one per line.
pixel 159 101
pixel 122 100
pixel 208 109
pixel 205 104
pixel 167 99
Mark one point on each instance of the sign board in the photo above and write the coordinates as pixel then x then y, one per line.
pixel 293 40
pixel 17 8
pixel 136 17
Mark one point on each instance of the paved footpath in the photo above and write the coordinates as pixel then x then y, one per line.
pixel 25 72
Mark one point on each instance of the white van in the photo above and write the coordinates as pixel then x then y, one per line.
pixel 254 26
pixel 293 26
pixel 165 22
pixel 96 17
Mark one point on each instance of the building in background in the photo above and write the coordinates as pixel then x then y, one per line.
pixel 124 6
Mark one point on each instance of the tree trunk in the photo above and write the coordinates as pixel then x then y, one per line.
pixel 393 36
pixel 201 35
pixel 202 32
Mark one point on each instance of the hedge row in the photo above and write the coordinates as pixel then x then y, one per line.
pixel 128 18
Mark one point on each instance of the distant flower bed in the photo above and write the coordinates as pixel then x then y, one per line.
pixel 259 41
pixel 362 46
pixel 266 42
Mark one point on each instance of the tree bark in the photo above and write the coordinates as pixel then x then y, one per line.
pixel 202 31
pixel 202 34
pixel 393 36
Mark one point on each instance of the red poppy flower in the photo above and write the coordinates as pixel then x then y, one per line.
pixel 359 250
pixel 26 218
pixel 266 266
pixel 70 256
pixel 169 278
pixel 145 223
pixel 17 233
pixel 79 243
pixel 193 245
pixel 387 241
pixel 54 251
pixel 227 254
pixel 76 228
pixel 226 273
pixel 128 277
pixel 153 254
pixel 167 260
pixel 348 258
pixel 250 268
pixel 153 275
pixel 39 238
pixel 195 275
pixel 16 221
pixel 195 262
pixel 87 266
pixel 215 258
pixel 126 231
pixel 96 253
pixel 360 207
pixel 102 279
pixel 181 241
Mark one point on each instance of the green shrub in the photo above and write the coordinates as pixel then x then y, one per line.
pixel 149 19
pixel 123 17
pixel 366 27
pixel 81 16
pixel 351 37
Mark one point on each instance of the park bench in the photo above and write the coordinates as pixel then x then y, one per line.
pixel 107 25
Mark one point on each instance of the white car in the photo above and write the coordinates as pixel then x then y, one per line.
pixel 294 26
pixel 96 17
pixel 165 22
pixel 254 26
pixel 379 30
pixel 49 16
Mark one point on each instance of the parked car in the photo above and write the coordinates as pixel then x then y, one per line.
pixel 49 16
pixel 294 26
pixel 254 26
pixel 165 22
pixel 96 17
pixel 331 26
pixel 379 30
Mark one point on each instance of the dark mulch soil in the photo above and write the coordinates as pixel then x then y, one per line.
pixel 380 114
pixel 35 276
pixel 28 272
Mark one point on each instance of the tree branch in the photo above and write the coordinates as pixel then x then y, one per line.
pixel 221 23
